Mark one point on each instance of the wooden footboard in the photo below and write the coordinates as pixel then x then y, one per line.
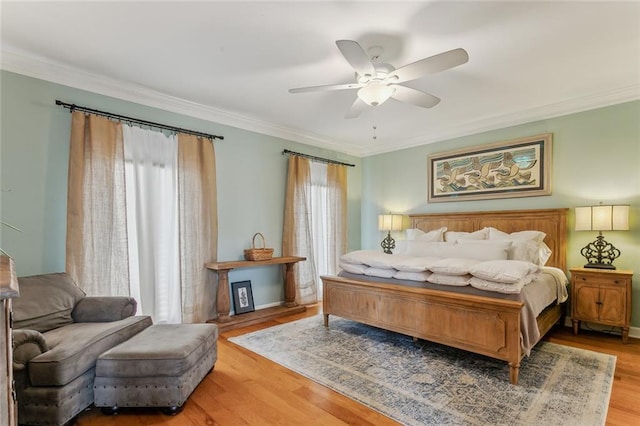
pixel 477 324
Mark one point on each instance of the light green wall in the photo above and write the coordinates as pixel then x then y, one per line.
pixel 251 173
pixel 596 157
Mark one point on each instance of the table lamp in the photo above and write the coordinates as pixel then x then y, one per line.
pixel 389 222
pixel 600 253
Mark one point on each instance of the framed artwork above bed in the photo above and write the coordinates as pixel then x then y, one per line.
pixel 507 169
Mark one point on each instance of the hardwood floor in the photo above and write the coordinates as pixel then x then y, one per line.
pixel 246 389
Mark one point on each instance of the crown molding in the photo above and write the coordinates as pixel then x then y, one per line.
pixel 45 69
pixel 542 112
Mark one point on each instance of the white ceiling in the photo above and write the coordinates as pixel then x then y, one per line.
pixel 233 62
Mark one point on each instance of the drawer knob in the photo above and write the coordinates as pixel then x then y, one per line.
pixel 617 282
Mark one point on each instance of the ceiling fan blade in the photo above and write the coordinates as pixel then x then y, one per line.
pixel 357 57
pixel 326 88
pixel 413 96
pixel 430 65
pixel 356 108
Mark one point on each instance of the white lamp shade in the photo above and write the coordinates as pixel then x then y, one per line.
pixel 390 222
pixel 602 218
pixel 583 219
pixel 375 93
pixel 620 218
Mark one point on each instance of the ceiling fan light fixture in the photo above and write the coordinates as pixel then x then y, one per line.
pixel 375 93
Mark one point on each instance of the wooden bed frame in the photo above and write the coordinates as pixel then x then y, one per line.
pixel 482 325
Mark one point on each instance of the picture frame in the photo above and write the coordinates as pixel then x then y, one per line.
pixel 242 297
pixel 507 169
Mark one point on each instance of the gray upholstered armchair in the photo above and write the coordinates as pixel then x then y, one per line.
pixel 57 337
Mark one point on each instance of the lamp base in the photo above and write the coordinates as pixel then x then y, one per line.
pixel 599 266
pixel 600 254
pixel 388 244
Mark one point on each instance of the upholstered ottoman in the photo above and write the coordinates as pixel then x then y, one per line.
pixel 158 367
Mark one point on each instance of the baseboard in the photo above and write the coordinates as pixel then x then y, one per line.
pixel 633 331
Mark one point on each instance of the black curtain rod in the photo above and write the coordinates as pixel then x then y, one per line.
pixel 314 158
pixel 73 107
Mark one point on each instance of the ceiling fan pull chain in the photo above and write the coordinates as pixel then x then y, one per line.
pixel 373 126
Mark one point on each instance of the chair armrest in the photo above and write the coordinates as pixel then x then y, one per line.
pixel 27 344
pixel 104 309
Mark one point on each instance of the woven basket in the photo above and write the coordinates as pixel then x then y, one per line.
pixel 258 253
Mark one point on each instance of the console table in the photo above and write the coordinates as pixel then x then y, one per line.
pixel 223 301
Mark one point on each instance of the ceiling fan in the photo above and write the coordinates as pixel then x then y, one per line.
pixel 376 81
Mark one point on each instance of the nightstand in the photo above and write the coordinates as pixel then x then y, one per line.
pixel 602 296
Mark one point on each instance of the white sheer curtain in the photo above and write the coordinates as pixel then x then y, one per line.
pixel 151 161
pixel 319 204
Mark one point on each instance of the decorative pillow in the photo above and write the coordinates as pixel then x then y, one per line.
pixel 380 272
pixel 45 301
pixel 412 276
pixel 544 253
pixel 482 249
pixel 401 248
pixel 362 256
pixel 434 235
pixel 496 234
pixel 454 280
pixel 426 248
pixel 453 266
pixel 414 264
pixel 526 250
pixel 503 271
pixel 498 287
pixel 453 236
pixel 354 268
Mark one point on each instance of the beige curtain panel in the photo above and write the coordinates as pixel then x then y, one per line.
pixel 337 195
pixel 297 238
pixel 198 225
pixel 97 254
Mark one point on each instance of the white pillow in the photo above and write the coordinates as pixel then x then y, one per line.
pixel 503 271
pixel 453 236
pixel 453 266
pixel 496 234
pixel 380 272
pixel 426 248
pixel 412 276
pixel 544 254
pixel 498 287
pixel 401 248
pixel 526 250
pixel 482 249
pixel 413 264
pixel 362 256
pixel 353 268
pixel 455 280
pixel 434 235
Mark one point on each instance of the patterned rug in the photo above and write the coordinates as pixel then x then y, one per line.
pixel 423 383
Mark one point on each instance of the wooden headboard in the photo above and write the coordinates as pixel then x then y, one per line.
pixel 552 222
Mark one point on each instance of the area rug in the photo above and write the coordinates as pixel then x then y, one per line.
pixel 423 383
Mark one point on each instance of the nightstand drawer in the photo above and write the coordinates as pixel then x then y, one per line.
pixel 597 279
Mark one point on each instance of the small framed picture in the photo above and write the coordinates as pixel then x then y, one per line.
pixel 242 297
